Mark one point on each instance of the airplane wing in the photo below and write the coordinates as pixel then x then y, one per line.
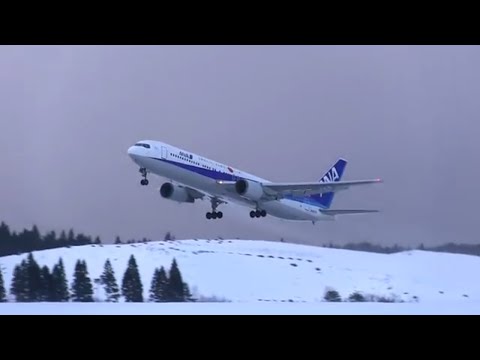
pixel 192 192
pixel 274 191
pixel 195 194
pixel 312 188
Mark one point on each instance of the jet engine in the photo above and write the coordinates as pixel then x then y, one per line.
pixel 249 189
pixel 175 193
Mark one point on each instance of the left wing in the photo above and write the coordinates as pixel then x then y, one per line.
pixel 312 188
pixel 275 191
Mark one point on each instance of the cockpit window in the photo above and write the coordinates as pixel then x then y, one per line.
pixel 146 146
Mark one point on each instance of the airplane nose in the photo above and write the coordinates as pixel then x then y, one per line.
pixel 133 152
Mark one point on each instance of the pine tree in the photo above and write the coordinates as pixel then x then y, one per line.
pixel 82 289
pixel 34 279
pixel 187 295
pixel 4 232
pixel 132 288
pixel 3 293
pixel 175 288
pixel 62 239
pixel 97 241
pixel 71 237
pixel 108 280
pixel 19 285
pixel 46 284
pixel 153 287
pixel 158 288
pixel 117 240
pixel 59 283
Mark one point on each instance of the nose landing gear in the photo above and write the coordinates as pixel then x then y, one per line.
pixel 144 181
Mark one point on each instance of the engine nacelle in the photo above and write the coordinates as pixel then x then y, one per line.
pixel 249 189
pixel 175 193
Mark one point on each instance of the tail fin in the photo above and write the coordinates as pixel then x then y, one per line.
pixel 334 174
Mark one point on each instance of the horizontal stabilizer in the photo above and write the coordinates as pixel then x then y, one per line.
pixel 347 212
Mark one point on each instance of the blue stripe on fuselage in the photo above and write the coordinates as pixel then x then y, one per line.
pixel 218 175
pixel 212 174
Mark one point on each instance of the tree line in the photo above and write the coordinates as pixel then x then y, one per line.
pixel 466 249
pixel 33 283
pixel 29 240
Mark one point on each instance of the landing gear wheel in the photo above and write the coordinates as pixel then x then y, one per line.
pixel 144 181
pixel 258 213
pixel 214 215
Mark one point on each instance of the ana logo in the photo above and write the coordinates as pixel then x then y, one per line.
pixel 331 176
pixel 185 154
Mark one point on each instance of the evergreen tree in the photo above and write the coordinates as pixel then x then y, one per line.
pixel 34 279
pixel 153 287
pixel 36 238
pixel 82 289
pixel 158 288
pixel 187 295
pixel 97 241
pixel 110 283
pixel 62 240
pixel 176 286
pixel 4 232
pixel 71 237
pixel 132 288
pixel 117 240
pixel 3 293
pixel 6 240
pixel 19 285
pixel 50 240
pixel 59 283
pixel 46 284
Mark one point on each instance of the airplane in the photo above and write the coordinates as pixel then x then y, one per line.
pixel 192 177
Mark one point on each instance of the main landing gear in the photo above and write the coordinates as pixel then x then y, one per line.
pixel 214 214
pixel 144 181
pixel 258 213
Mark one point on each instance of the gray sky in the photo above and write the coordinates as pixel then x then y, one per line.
pixel 286 113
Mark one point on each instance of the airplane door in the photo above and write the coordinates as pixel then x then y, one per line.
pixel 234 177
pixel 164 152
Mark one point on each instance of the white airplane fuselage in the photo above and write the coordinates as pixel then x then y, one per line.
pixel 204 175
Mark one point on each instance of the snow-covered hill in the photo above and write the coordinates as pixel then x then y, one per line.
pixel 245 271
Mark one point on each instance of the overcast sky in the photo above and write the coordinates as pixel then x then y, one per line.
pixel 406 114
